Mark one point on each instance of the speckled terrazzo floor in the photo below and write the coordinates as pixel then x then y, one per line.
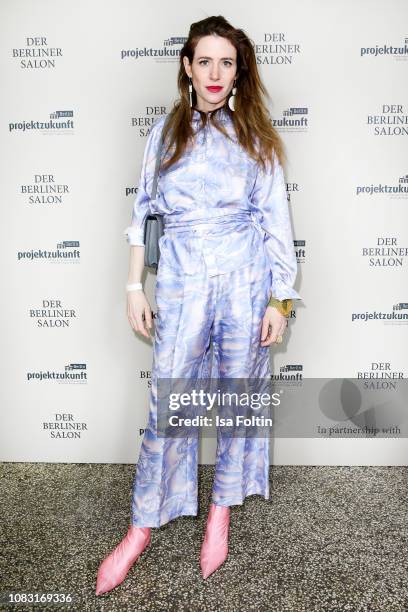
pixel 329 539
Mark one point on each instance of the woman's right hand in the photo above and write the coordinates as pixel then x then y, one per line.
pixel 137 306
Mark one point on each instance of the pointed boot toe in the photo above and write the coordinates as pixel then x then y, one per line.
pixel 214 549
pixel 114 568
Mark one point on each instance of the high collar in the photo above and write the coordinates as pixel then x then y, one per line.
pixel 221 114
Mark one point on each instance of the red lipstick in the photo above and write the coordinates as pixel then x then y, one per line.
pixel 214 88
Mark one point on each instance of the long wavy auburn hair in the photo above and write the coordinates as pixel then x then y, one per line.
pixel 251 118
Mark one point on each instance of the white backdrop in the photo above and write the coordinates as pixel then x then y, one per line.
pixel 81 85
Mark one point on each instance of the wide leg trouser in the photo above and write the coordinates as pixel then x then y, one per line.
pixel 206 326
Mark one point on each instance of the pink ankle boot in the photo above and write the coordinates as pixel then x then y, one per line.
pixel 114 568
pixel 214 549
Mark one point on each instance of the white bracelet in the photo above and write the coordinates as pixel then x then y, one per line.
pixel 134 287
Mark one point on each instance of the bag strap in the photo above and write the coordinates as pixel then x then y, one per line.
pixel 158 160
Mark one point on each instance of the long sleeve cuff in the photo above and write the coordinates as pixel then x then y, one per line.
pixel 134 236
pixel 283 291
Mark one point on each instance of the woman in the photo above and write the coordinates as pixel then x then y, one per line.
pixel 225 279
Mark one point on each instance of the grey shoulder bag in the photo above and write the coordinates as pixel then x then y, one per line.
pixel 154 224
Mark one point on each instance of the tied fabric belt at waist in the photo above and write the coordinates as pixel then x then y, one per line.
pixel 224 243
pixel 202 225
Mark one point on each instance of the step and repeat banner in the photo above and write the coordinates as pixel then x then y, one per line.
pixel 82 85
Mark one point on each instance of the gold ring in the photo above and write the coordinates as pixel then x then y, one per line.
pixel 279 339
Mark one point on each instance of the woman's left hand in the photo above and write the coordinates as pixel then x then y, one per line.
pixel 273 325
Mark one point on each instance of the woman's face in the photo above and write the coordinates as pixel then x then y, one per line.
pixel 214 65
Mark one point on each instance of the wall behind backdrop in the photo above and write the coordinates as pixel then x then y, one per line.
pixel 82 84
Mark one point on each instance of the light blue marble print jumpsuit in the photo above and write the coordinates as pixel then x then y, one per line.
pixel 227 247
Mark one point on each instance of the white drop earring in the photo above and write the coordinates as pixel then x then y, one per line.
pixel 190 91
pixel 231 99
